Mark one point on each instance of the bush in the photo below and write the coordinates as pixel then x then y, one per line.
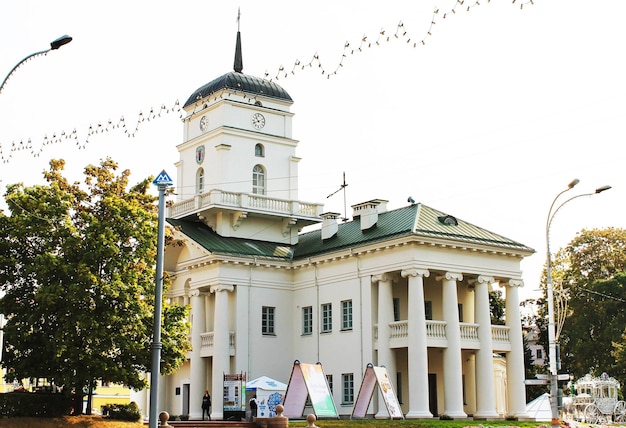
pixel 39 404
pixel 123 412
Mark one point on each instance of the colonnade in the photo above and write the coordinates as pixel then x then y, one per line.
pixel 452 354
pixel 418 376
pixel 221 348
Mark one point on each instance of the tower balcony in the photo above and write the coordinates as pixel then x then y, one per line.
pixel 304 213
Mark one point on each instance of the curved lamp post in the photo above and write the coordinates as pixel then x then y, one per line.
pixel 552 340
pixel 55 44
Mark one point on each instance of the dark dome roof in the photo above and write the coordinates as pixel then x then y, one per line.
pixel 241 82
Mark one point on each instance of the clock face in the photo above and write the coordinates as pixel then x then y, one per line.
pixel 258 121
pixel 204 123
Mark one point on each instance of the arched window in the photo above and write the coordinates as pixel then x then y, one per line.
pixel 259 150
pixel 258 180
pixel 200 181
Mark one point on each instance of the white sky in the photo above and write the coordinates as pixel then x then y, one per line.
pixel 492 117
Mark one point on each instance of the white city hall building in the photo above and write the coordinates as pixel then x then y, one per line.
pixel 407 288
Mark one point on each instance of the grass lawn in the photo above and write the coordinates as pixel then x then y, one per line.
pixel 67 421
pixel 99 422
pixel 435 423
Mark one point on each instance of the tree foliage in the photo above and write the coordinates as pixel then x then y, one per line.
pixel 589 274
pixel 77 273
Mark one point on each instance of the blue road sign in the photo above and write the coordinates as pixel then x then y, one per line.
pixel 163 178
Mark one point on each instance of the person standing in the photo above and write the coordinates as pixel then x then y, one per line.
pixel 206 404
pixel 253 408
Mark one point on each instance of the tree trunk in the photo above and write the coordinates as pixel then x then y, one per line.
pixel 90 397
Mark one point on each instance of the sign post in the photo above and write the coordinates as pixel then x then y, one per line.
pixel 162 181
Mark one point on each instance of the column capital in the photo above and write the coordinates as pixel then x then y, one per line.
pixel 451 276
pixel 222 287
pixel 485 279
pixel 195 293
pixel 415 272
pixel 385 277
pixel 515 283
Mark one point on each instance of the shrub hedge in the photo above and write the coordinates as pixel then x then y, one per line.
pixel 123 412
pixel 38 404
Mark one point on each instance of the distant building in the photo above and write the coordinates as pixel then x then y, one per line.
pixel 405 288
pixel 537 351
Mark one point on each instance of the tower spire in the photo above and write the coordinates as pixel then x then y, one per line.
pixel 238 57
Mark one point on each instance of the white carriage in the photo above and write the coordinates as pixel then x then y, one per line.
pixel 596 400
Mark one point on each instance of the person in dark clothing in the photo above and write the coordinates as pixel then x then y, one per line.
pixel 253 408
pixel 206 404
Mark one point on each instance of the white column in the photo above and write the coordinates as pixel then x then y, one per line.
pixel 221 349
pixel 452 363
pixel 197 367
pixel 515 359
pixel 418 350
pixel 485 389
pixel 385 317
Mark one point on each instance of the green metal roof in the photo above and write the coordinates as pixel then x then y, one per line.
pixel 215 243
pixel 416 220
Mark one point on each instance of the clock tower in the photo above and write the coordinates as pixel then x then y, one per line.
pixel 238 171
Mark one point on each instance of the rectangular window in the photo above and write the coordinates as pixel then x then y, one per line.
pixel 460 312
pixel 307 320
pixel 327 317
pixel 399 387
pixel 539 353
pixel 428 309
pixel 329 379
pixel 348 388
pixel 267 320
pixel 346 315
pixel 396 309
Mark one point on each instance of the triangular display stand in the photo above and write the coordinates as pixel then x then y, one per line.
pixel 376 376
pixel 308 380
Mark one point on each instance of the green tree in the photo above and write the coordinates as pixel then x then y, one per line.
pixel 588 276
pixel 496 307
pixel 77 272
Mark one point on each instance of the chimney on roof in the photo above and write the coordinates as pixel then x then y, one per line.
pixel 330 227
pixel 367 212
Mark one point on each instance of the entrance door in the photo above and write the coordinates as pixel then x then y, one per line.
pixel 432 393
pixel 186 387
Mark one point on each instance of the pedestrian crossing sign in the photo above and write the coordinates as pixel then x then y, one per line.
pixel 163 178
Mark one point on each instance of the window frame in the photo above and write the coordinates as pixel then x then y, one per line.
pixel 347 388
pixel 326 318
pixel 307 320
pixel 428 310
pixel 346 315
pixel 268 317
pixel 259 181
pixel 200 181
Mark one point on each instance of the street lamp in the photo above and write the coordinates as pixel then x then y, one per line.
pixel 55 44
pixel 552 339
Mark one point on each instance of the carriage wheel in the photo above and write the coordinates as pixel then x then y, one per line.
pixel 620 412
pixel 591 414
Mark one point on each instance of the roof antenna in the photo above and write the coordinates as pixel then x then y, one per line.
pixel 238 56
pixel 342 187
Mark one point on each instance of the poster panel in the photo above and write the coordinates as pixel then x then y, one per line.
pixel 308 380
pixel 389 396
pixel 319 392
pixel 366 392
pixel 234 392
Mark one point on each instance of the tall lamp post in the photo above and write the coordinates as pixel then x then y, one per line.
pixel 552 339
pixel 55 44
